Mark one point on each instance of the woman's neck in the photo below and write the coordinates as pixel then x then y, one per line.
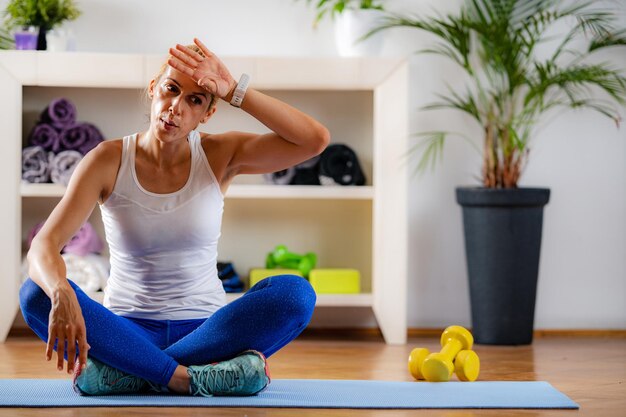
pixel 161 153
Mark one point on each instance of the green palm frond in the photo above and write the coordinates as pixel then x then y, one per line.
pixel 455 101
pixel 432 152
pixel 333 8
pixel 430 148
pixel 575 80
pixel 452 32
pixel 6 41
pixel 611 39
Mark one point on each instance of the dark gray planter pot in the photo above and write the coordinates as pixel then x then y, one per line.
pixel 502 243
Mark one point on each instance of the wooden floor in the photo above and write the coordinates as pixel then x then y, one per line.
pixel 590 370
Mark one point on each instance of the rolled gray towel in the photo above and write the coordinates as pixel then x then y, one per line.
pixel 63 165
pixel 309 163
pixel 305 173
pixel 281 177
pixel 36 164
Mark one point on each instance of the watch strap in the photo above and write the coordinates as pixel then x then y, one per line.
pixel 240 90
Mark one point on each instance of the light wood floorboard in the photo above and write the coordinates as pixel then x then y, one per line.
pixel 591 371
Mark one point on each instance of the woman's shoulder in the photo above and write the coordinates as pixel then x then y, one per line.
pixel 214 142
pixel 104 163
pixel 225 140
pixel 210 137
pixel 105 158
pixel 107 151
pixel 111 145
pixel 219 149
pixel 98 169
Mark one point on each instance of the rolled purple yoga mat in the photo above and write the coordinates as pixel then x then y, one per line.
pixel 32 233
pixel 85 241
pixel 93 139
pixel 62 166
pixel 35 164
pixel 60 113
pixel 81 137
pixel 46 136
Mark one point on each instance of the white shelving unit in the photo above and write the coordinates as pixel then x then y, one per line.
pixel 363 101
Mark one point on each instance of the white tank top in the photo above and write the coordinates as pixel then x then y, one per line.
pixel 164 246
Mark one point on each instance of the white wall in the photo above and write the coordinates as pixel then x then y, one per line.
pixel 580 156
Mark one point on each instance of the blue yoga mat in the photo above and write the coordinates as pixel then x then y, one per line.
pixel 306 393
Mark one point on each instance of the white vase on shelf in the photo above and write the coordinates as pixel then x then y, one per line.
pixel 351 26
pixel 57 40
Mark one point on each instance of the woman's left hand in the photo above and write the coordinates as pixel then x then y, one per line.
pixel 209 72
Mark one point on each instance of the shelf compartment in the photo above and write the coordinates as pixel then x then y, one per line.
pixel 339 232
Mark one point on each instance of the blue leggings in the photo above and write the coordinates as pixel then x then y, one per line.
pixel 266 318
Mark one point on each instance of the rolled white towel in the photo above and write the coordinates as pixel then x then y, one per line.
pixel 36 164
pixel 63 165
pixel 90 272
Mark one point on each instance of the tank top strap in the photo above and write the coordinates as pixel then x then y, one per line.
pixel 195 142
pixel 128 143
pixel 201 162
pixel 124 181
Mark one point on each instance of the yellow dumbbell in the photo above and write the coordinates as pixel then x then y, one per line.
pixel 438 367
pixel 416 359
pixel 467 365
pixel 455 355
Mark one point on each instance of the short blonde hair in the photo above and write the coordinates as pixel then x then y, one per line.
pixel 195 48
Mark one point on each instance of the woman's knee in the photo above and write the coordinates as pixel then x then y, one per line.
pixel 30 295
pixel 296 293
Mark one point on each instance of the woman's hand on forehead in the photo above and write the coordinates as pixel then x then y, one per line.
pixel 208 71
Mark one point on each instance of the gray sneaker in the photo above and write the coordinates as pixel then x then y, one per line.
pixel 246 374
pixel 100 379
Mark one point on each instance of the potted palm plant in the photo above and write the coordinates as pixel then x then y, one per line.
pixel 353 19
pixel 509 88
pixel 44 14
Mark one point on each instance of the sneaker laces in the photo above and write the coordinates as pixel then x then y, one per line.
pixel 119 380
pixel 222 380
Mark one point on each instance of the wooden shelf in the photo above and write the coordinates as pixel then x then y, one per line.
pixel 42 190
pixel 301 192
pixel 84 69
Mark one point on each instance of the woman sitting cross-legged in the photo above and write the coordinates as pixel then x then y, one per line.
pixel 165 325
